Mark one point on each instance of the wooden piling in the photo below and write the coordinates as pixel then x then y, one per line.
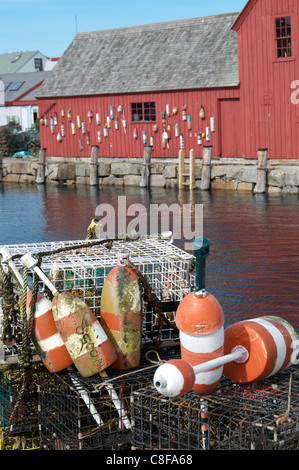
pixel 261 182
pixel 181 168
pixel 1 166
pixel 146 167
pixel 93 174
pixel 206 168
pixel 192 169
pixel 41 167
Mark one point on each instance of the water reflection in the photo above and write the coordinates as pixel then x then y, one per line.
pixel 253 267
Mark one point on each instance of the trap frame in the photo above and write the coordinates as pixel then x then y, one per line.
pixel 257 416
pixel 82 266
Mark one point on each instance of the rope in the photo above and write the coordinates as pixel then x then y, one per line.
pixel 156 363
pixel 25 353
pixel 7 293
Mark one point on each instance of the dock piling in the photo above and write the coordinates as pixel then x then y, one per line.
pixel 93 175
pixel 41 167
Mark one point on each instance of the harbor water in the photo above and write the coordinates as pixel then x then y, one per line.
pixel 253 265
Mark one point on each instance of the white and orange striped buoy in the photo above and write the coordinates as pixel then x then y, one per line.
pixel 200 320
pixel 82 334
pixel 47 340
pixel 174 378
pixel 269 341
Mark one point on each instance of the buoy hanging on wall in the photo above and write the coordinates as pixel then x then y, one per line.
pixel 62 130
pixel 69 114
pixel 202 113
pixel 177 130
pixel 79 121
pixel 111 112
pixel 105 131
pixel 184 113
pixel 212 121
pixel 144 140
pixel 73 128
pixel 90 115
pixel 98 119
pixel 135 133
pixel 99 137
pixel 52 125
pixel 121 314
pixel 83 128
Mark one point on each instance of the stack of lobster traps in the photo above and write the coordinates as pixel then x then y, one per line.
pixel 71 411
pixel 120 409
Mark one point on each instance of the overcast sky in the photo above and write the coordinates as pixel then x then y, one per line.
pixel 50 26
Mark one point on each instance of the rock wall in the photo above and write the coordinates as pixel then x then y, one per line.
pixel 226 174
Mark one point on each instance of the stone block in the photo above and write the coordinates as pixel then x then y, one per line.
pixel 290 190
pixel 291 177
pixel 249 174
pixel 82 169
pixel 276 178
pixel 66 171
pixel 246 187
pixel 27 179
pixel 157 168
pixel 170 171
pixel 157 180
pixel 132 180
pixel 82 180
pixel 125 168
pixel 234 172
pixel 111 180
pixel 12 178
pixel 274 191
pixel 218 171
pixel 226 185
pixel 103 169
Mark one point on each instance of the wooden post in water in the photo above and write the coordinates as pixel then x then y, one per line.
pixel 261 182
pixel 206 168
pixel 146 167
pixel 1 166
pixel 93 174
pixel 192 169
pixel 41 167
pixel 181 168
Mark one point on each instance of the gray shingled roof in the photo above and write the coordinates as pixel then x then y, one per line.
pixel 184 54
pixel 28 80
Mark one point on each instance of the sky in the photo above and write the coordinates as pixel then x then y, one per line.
pixel 50 26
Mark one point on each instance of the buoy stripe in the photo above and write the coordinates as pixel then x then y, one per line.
pixel 50 343
pixel 209 377
pixel 279 341
pixel 288 335
pixel 202 344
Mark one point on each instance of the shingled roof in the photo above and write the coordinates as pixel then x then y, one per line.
pixel 176 55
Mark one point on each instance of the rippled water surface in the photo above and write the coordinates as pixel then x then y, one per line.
pixel 253 266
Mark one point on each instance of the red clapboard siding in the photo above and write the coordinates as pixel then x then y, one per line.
pixel 267 115
pixel 121 144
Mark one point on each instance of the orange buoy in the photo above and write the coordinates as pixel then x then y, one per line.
pixel 174 378
pixel 46 339
pixel 82 334
pixel 200 320
pixel 269 342
pixel 121 314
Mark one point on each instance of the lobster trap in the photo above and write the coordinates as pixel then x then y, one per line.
pixel 81 267
pixel 79 413
pixel 257 416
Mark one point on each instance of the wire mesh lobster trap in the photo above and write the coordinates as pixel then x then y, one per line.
pixel 82 266
pixel 257 416
pixel 79 413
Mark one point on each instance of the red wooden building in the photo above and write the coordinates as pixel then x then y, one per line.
pixel 229 81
